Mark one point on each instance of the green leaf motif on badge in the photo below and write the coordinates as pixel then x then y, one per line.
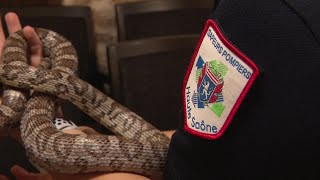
pixel 217 108
pixel 218 68
pixel 222 69
pixel 198 73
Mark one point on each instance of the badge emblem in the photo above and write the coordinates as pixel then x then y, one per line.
pixel 217 80
pixel 209 85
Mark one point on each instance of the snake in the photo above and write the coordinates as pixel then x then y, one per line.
pixel 135 146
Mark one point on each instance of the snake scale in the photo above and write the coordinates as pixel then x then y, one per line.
pixel 136 147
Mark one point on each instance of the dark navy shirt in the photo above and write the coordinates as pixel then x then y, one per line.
pixel 275 132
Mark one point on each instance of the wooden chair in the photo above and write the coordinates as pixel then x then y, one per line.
pixel 25 3
pixel 147 75
pixel 161 17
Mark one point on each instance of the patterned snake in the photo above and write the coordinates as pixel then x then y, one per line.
pixel 136 147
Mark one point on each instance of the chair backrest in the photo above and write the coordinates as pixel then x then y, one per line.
pixel 73 22
pixel 147 75
pixel 161 17
pixel 25 3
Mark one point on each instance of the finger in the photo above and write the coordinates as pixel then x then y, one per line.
pixel 59 112
pixel 19 172
pixel 13 22
pixel 35 45
pixel 87 130
pixel 2 38
pixel 73 131
pixel 2 177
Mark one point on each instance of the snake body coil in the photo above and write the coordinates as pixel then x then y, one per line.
pixel 137 147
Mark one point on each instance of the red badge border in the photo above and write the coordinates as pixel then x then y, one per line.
pixel 243 93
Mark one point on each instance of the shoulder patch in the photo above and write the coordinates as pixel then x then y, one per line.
pixel 218 79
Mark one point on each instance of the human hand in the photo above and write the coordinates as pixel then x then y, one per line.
pixel 14 25
pixel 33 40
pixel 21 174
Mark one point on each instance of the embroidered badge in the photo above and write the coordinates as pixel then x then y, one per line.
pixel 218 78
